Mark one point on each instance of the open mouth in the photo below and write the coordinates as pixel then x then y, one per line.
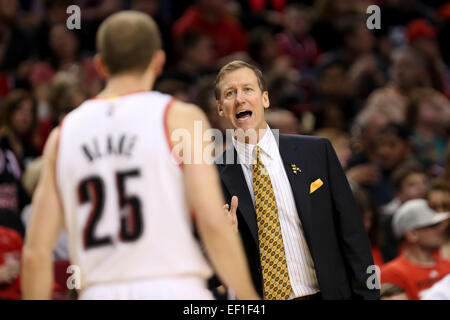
pixel 243 115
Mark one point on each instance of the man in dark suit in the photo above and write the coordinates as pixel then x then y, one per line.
pixel 300 226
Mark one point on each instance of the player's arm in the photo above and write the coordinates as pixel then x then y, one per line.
pixel 45 224
pixel 204 196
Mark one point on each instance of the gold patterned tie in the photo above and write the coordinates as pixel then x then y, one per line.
pixel 271 248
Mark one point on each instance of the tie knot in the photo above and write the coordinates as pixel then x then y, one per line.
pixel 257 159
pixel 257 150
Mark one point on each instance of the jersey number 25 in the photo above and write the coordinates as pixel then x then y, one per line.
pixel 92 190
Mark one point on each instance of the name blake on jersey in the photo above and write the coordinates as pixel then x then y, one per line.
pixel 111 146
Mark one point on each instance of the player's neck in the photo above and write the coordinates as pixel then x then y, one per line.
pixel 127 83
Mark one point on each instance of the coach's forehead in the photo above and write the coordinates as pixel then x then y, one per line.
pixel 238 77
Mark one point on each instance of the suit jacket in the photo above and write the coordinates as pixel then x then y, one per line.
pixel 332 223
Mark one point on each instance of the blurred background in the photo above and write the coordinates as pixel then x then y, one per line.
pixel 380 96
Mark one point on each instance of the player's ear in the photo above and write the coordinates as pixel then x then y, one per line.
pixel 101 66
pixel 158 61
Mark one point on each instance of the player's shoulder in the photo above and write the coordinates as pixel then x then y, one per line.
pixel 184 111
pixel 83 108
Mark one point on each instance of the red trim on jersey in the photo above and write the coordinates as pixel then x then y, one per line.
pixel 118 95
pixel 166 129
pixel 58 142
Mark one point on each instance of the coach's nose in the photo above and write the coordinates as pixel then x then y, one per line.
pixel 239 97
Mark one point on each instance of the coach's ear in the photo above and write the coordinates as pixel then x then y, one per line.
pixel 101 66
pixel 158 62
pixel 219 108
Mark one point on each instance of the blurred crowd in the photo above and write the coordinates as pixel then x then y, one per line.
pixel 381 96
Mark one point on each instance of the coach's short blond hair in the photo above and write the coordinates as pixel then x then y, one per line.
pixel 127 41
pixel 233 66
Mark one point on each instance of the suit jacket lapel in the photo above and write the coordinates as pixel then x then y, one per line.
pixel 300 182
pixel 234 180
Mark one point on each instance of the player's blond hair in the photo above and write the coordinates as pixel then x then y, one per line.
pixel 127 41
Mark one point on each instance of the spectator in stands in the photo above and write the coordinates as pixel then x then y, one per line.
pixel 371 223
pixel 295 41
pixel 439 291
pixel 340 140
pixel 61 258
pixel 283 120
pixel 357 55
pixel 357 41
pixel 362 166
pixel 93 13
pixel 66 92
pixel 407 72
pixel 390 291
pixel 262 49
pixel 15 49
pixel 177 88
pixel 392 150
pixel 423 231
pixel 410 182
pixel 54 12
pixel 64 56
pixel 438 196
pixel 422 37
pixel 194 58
pixel 14 44
pixel 30 181
pixel 428 113
pixel 18 126
pixel 208 16
pixel 154 8
pixel 329 17
pixel 334 104
pixel 396 14
pixel 11 243
pixel 446 173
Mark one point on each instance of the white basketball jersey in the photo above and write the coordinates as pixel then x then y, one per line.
pixel 122 193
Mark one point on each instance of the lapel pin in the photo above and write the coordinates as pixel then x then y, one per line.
pixel 295 169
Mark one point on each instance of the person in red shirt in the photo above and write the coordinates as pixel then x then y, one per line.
pixel 295 40
pixel 209 16
pixel 420 265
pixel 10 251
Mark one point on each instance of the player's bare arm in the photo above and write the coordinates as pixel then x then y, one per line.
pixel 43 231
pixel 222 244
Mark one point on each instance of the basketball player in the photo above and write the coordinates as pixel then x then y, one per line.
pixel 110 178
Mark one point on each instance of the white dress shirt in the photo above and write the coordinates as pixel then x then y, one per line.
pixel 301 270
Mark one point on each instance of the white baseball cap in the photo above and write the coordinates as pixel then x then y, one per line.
pixel 414 214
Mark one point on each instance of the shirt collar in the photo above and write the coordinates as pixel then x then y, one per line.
pixel 247 152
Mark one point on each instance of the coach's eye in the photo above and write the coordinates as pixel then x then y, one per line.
pixel 248 89
pixel 229 94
